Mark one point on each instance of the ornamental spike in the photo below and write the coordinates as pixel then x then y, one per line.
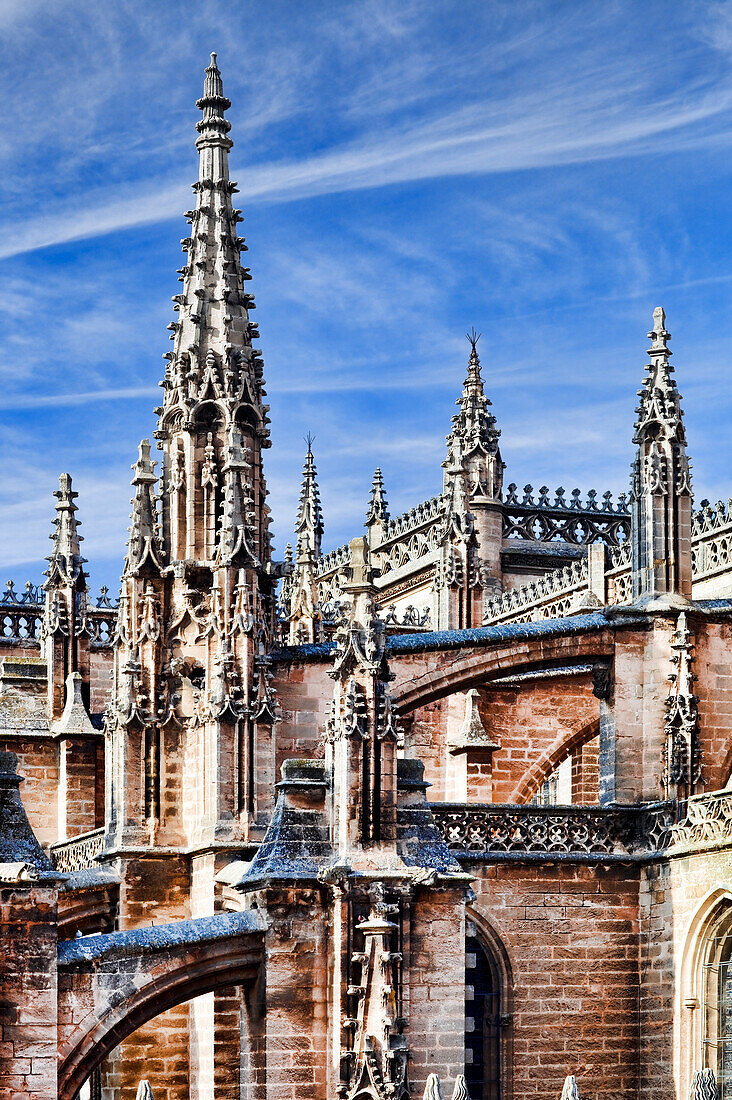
pixel 378 510
pixel 65 560
pixel 309 523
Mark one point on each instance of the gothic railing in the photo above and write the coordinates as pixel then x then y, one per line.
pixel 623 832
pixel 618 576
pixel 711 540
pixel 425 513
pixel 548 597
pixel 79 853
pixel 708 823
pixel 574 520
pixel 21 615
pixel 412 618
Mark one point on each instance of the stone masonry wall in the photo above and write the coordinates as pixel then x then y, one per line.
pixel 38 764
pixel 535 724
pixel 571 936
pixel 676 897
pixel 28 1009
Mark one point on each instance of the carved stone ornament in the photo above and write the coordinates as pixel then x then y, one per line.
pixel 374 1066
pixel 472 733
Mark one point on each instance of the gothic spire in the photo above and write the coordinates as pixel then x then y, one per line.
pixel 472 445
pixel 65 560
pixel 378 511
pixel 661 481
pixel 309 523
pixel 143 547
pixel 475 425
pixel 213 359
pixel 660 404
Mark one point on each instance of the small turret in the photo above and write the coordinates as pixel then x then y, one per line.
pixel 473 455
pixel 144 550
pixel 309 523
pixel 64 630
pixel 65 561
pixel 469 569
pixel 378 511
pixel 302 590
pixel 661 480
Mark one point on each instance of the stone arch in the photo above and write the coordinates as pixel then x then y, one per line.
pixel 178 976
pixel 559 750
pixel 710 912
pixel 430 676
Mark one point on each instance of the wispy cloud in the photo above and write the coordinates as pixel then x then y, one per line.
pixel 408 171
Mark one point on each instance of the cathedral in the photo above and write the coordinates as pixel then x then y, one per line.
pixel 444 812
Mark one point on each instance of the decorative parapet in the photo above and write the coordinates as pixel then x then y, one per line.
pixel 21 616
pixel 619 576
pixel 707 825
pixel 574 521
pixel 568 832
pixel 549 597
pixel 79 853
pixel 711 540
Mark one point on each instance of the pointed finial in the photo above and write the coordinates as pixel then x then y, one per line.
pixel 143 546
pixel 378 510
pixel 213 126
pixel 309 522
pixel 658 334
pixel 473 337
pixel 65 558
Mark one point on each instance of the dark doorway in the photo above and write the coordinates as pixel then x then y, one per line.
pixel 482 1022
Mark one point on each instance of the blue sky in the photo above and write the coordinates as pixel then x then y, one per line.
pixel 548 172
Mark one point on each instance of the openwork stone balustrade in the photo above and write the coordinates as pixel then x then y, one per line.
pixel 565 832
pixel 708 823
pixel 21 616
pixel 79 853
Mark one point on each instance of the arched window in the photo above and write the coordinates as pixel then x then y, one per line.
pixel 482 1020
pixel 717 1004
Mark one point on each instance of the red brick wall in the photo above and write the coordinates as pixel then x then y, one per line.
pixel 571 935
pixel 534 723
pixel 28 1009
pixel 714 687
pixel 586 772
pixel 158 1052
pixel 38 764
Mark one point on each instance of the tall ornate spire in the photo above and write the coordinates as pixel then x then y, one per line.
pixel 65 560
pixel 470 563
pixel 378 507
pixel 197 602
pixel 309 523
pixel 661 483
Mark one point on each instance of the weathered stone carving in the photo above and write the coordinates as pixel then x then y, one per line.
pixel 552 830
pixel 661 488
pixel 682 756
